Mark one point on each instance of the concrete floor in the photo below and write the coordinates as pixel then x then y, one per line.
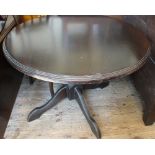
pixel 10 80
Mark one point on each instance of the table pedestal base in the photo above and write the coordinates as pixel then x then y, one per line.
pixel 71 92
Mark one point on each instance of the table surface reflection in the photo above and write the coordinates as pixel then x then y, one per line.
pixel 76 46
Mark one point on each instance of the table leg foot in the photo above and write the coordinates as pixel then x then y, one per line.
pixel 38 111
pixel 93 125
pixel 147 118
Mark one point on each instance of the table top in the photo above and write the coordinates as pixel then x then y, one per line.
pixel 76 49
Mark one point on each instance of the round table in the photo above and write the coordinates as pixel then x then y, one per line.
pixel 79 52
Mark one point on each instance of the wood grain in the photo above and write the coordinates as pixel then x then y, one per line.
pixel 117 110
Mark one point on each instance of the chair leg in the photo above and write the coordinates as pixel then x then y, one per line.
pixel 148 117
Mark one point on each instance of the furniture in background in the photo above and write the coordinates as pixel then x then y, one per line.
pixel 9 23
pixel 10 80
pixel 144 79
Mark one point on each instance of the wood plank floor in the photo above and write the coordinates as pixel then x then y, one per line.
pixel 117 110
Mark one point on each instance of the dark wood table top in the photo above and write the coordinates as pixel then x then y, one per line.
pixel 76 49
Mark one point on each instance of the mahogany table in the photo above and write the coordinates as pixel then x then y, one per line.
pixel 79 52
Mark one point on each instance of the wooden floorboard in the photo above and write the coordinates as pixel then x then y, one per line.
pixel 117 110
